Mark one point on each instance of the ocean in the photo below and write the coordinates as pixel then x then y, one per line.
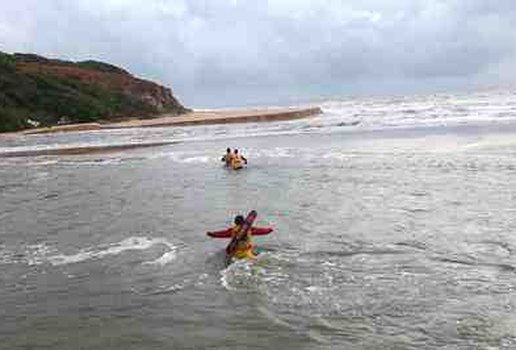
pixel 394 227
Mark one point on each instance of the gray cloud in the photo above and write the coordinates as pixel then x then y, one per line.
pixel 234 52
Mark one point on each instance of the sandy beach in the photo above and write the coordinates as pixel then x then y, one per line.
pixel 193 118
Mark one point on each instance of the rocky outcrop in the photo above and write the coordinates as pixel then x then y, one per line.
pixel 37 91
pixel 104 75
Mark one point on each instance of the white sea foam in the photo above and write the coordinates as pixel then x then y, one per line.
pixel 231 273
pixel 164 259
pixel 39 254
pixel 132 243
pixel 493 142
pixel 44 162
pixel 199 159
pixel 417 111
pixel 243 274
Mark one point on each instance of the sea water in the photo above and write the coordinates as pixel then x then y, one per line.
pixel 394 218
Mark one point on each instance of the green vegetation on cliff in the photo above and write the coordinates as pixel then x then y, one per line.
pixel 36 96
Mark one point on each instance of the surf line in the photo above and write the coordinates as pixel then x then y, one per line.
pixel 77 150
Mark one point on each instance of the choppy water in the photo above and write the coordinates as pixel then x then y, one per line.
pixel 390 231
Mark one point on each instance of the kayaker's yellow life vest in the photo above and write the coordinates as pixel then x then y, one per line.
pixel 244 249
pixel 237 162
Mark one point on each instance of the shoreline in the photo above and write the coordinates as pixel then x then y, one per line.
pixel 189 119
pixel 167 120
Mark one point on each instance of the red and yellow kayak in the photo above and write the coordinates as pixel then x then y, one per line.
pixel 240 246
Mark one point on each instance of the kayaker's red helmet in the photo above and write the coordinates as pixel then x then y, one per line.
pixel 239 220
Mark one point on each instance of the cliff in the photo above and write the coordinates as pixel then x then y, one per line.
pixel 37 91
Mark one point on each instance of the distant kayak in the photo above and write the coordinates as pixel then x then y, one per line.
pixel 233 160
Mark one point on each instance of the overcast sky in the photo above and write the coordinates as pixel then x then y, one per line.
pixel 235 52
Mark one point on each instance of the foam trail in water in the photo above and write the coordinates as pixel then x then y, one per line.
pixel 164 259
pixel 132 243
pixel 39 254
pixel 243 274
pixel 200 159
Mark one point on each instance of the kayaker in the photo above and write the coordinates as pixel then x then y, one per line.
pixel 238 159
pixel 244 248
pixel 228 157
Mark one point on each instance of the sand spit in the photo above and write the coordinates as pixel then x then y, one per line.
pixel 221 117
pixel 192 118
